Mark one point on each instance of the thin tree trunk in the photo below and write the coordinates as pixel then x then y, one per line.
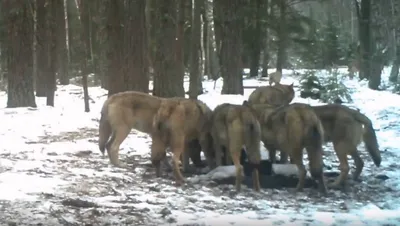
pixel 394 73
pixel 179 45
pixel 206 40
pixel 84 12
pixel 194 51
pixel 282 33
pixel 265 40
pixel 52 60
pixel 62 56
pixel 256 44
pixel 214 63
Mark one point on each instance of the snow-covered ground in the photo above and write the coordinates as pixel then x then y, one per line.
pixel 49 159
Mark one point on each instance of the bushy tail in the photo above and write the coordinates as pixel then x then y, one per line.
pixel 315 137
pixel 252 137
pixel 104 131
pixel 369 137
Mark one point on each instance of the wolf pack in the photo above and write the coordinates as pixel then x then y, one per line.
pixel 188 127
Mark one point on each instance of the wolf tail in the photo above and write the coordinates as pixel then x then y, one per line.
pixel 104 130
pixel 369 137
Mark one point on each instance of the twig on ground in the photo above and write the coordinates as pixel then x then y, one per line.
pixel 121 193
pixel 79 203
pixel 59 217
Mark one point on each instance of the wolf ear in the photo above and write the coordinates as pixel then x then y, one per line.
pixel 291 85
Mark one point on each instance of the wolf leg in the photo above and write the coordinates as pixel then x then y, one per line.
pixel 297 156
pixel 341 150
pixel 359 164
pixel 119 135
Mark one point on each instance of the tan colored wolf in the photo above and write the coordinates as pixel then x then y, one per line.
pixel 273 95
pixel 120 113
pixel 353 67
pixel 126 110
pixel 290 129
pixel 345 128
pixel 177 122
pixel 275 77
pixel 232 127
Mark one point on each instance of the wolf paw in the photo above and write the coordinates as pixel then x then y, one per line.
pixel 179 183
pixel 334 186
pixel 356 178
pixel 341 187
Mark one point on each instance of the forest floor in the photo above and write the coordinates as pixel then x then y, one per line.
pixel 51 172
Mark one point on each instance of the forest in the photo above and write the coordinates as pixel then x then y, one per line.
pixel 122 45
pixel 98 93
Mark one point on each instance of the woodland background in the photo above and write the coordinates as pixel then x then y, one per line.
pixel 124 44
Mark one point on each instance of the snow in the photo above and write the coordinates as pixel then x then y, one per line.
pixel 50 154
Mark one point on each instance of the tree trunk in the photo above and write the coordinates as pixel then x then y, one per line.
pixel 18 18
pixel 256 36
pixel 167 82
pixel 206 42
pixel 282 37
pixel 364 15
pixel 229 15
pixel 135 64
pixel 67 14
pixel 150 14
pixel 194 51
pixel 213 60
pixel 41 48
pixel 217 33
pixel 179 43
pixel 84 10
pixel 265 40
pixel 52 54
pixel 394 72
pixel 70 34
pixel 114 46
pixel 95 48
pixel 62 57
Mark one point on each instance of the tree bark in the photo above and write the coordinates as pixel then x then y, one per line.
pixel 135 64
pixel 194 51
pixel 52 54
pixel 114 46
pixel 394 72
pixel 179 42
pixel 84 10
pixel 206 42
pixel 212 48
pixel 282 37
pixel 18 18
pixel 229 15
pixel 265 53
pixel 217 34
pixel 62 57
pixel 69 31
pixel 41 48
pixel 256 36
pixel 364 15
pixel 167 82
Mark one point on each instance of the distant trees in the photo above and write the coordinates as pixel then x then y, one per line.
pixel 126 44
